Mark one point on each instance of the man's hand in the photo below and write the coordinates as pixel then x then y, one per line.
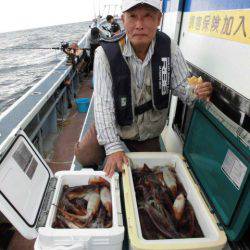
pixel 204 90
pixel 114 161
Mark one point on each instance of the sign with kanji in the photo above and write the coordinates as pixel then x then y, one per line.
pixel 229 24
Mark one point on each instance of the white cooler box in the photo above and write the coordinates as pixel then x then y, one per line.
pixel 216 176
pixel 27 190
pixel 214 237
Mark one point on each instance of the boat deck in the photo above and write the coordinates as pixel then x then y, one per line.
pixel 62 156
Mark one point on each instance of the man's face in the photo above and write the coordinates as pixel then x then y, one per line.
pixel 141 24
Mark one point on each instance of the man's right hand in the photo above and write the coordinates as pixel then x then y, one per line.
pixel 114 161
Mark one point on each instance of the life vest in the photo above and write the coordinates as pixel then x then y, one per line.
pixel 121 77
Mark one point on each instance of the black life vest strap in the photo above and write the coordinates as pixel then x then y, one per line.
pixel 143 108
pixel 161 71
pixel 121 86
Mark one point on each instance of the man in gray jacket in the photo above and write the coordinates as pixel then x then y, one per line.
pixel 132 81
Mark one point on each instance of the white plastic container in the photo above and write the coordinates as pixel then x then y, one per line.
pixel 27 186
pixel 214 237
pixel 103 239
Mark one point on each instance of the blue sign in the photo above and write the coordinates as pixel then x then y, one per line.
pixel 164 6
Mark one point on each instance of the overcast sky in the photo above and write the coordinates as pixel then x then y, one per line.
pixel 26 14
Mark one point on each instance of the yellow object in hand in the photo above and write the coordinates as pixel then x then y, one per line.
pixel 194 81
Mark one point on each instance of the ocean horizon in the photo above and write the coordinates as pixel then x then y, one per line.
pixel 22 67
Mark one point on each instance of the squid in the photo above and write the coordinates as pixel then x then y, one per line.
pixel 169 179
pixel 178 206
pixel 98 180
pixel 106 200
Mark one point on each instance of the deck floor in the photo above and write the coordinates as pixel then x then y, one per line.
pixel 63 155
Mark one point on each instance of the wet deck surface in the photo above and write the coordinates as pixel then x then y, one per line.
pixel 62 156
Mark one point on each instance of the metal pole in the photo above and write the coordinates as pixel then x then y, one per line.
pixel 99 8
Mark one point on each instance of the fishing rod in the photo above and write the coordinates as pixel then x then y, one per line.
pixel 69 50
pixel 55 48
pixel 65 47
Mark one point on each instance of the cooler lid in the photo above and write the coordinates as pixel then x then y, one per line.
pixel 24 176
pixel 219 161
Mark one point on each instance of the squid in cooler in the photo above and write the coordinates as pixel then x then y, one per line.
pixel 164 211
pixel 97 180
pixel 106 200
pixel 92 208
pixel 81 192
pixel 68 223
pixel 71 220
pixel 101 217
pixel 178 206
pixel 93 203
pixel 163 223
pixel 169 179
pixel 86 206
pixel 77 208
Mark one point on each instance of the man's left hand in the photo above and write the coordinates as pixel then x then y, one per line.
pixel 115 161
pixel 204 90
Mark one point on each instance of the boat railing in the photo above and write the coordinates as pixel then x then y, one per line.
pixel 37 112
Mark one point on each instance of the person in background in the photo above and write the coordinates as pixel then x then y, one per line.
pixel 133 78
pixel 110 19
pixel 113 24
pixel 90 43
pixel 115 29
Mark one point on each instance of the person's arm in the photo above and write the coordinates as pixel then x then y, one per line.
pixel 107 134
pixel 118 25
pixel 180 73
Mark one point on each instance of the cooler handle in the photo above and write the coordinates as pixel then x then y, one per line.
pixel 77 246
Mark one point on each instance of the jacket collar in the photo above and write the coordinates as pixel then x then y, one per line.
pixel 128 50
